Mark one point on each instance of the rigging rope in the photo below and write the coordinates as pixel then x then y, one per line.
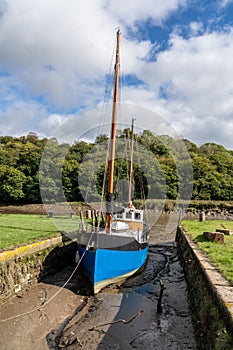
pixel 103 120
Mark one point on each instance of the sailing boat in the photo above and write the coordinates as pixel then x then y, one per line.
pixel 118 249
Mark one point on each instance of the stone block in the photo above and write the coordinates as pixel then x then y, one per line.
pixel 202 216
pixel 225 231
pixel 214 236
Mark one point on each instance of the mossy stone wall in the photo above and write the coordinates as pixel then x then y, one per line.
pixel 211 329
pixel 30 268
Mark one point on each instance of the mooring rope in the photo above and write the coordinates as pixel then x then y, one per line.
pixel 55 294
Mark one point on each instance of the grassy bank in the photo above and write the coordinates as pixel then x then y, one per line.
pixel 220 254
pixel 19 229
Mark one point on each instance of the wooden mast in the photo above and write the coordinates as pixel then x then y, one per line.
pixel 109 196
pixel 131 167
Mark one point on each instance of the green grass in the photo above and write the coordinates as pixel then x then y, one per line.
pixel 20 229
pixel 220 254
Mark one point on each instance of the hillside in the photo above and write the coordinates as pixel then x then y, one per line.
pixel 20 160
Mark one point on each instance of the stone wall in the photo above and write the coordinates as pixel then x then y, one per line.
pixel 29 264
pixel 212 317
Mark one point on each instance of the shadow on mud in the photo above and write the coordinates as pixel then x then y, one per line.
pixel 59 265
pixel 126 317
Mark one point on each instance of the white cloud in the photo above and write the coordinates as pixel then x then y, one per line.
pixel 58 53
pixel 20 118
pixel 47 125
pixel 202 73
pixel 224 3
pixel 132 11
pixel 73 39
pixel 197 72
pixel 56 49
pixel 196 28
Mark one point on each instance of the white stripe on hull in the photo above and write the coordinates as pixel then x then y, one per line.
pixel 118 279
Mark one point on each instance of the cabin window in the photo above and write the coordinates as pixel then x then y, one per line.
pixel 119 216
pixel 137 216
pixel 128 215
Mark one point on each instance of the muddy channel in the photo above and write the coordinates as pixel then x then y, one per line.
pixel 43 316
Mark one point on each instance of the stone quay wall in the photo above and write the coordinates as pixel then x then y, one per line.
pixel 210 296
pixel 29 264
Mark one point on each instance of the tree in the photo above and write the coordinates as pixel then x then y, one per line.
pixel 11 184
pixel 70 180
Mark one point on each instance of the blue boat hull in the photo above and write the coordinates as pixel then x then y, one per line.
pixel 106 266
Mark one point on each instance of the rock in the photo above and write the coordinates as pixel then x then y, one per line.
pixel 225 231
pixel 214 236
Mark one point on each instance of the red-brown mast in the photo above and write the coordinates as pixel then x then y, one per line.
pixel 131 167
pixel 109 197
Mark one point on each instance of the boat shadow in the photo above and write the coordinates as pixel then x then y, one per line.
pixel 114 317
pixel 127 323
pixel 59 268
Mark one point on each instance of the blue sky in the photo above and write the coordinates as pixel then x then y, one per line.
pixel 176 60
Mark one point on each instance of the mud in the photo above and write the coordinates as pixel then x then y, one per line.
pixel 124 317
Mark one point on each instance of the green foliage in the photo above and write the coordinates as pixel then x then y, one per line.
pixel 20 160
pixel 220 254
pixel 211 329
pixel 11 184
